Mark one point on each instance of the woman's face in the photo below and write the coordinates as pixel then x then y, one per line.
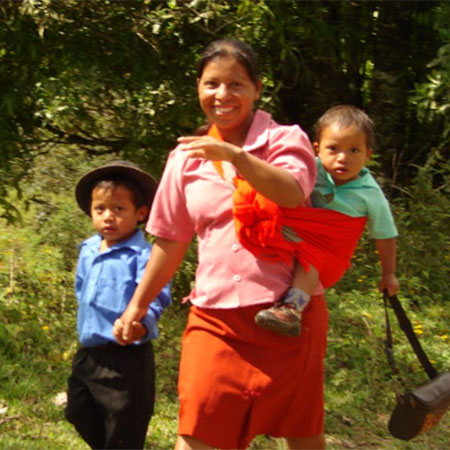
pixel 227 94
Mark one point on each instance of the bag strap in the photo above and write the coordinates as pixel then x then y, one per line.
pixel 405 325
pixel 388 343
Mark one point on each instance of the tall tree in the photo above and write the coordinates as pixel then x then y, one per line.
pixel 402 51
pixel 118 77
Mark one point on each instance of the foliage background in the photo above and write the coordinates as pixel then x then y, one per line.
pixel 82 83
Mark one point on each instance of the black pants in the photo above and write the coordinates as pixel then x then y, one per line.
pixel 111 393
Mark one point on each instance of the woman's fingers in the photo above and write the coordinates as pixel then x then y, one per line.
pixel 206 147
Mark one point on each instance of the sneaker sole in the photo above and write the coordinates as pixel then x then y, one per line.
pixel 277 327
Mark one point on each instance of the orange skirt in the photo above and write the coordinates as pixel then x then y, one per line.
pixel 237 380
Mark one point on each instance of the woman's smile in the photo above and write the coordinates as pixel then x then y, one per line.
pixel 227 95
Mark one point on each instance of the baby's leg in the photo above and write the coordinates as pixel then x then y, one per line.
pixel 306 281
pixel 285 316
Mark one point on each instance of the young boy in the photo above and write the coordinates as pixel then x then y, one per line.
pixel 344 142
pixel 111 387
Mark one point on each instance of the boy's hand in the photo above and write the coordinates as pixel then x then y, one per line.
pixel 390 283
pixel 137 332
pixel 117 332
pixel 123 327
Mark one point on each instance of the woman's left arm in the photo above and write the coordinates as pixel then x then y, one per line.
pixel 273 182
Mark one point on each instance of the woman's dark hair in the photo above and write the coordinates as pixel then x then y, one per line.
pixel 345 116
pixel 231 47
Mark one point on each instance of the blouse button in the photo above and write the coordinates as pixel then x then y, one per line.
pixel 235 247
pixel 237 278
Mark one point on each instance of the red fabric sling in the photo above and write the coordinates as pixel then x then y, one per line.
pixel 325 239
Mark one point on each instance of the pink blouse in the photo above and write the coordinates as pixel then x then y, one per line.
pixel 192 199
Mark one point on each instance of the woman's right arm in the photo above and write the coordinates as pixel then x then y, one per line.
pixel 165 258
pixel 273 182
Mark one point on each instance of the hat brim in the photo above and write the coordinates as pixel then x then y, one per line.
pixel 83 189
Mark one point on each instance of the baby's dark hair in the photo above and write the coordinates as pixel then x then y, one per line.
pixel 345 116
pixel 231 47
pixel 112 181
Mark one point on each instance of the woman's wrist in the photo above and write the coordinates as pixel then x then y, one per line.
pixel 236 155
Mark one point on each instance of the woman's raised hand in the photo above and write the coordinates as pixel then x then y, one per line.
pixel 208 147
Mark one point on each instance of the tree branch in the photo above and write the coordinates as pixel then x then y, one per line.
pixel 70 138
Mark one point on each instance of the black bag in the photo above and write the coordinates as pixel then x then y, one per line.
pixel 422 408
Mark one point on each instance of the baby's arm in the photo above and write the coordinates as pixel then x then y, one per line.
pixel 387 249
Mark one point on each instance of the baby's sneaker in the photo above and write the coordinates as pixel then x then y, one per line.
pixel 283 318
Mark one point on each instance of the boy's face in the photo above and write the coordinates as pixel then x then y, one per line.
pixel 343 152
pixel 114 214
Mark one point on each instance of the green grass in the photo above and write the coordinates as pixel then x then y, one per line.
pixel 36 346
pixel 359 390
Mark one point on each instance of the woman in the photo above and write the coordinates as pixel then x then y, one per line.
pixel 236 380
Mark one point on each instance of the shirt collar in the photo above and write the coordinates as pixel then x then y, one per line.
pixel 362 181
pixel 258 133
pixel 135 243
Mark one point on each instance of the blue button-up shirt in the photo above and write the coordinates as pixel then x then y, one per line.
pixel 105 283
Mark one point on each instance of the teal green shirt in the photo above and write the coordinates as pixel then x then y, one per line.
pixel 362 197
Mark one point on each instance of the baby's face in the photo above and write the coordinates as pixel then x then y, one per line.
pixel 343 152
